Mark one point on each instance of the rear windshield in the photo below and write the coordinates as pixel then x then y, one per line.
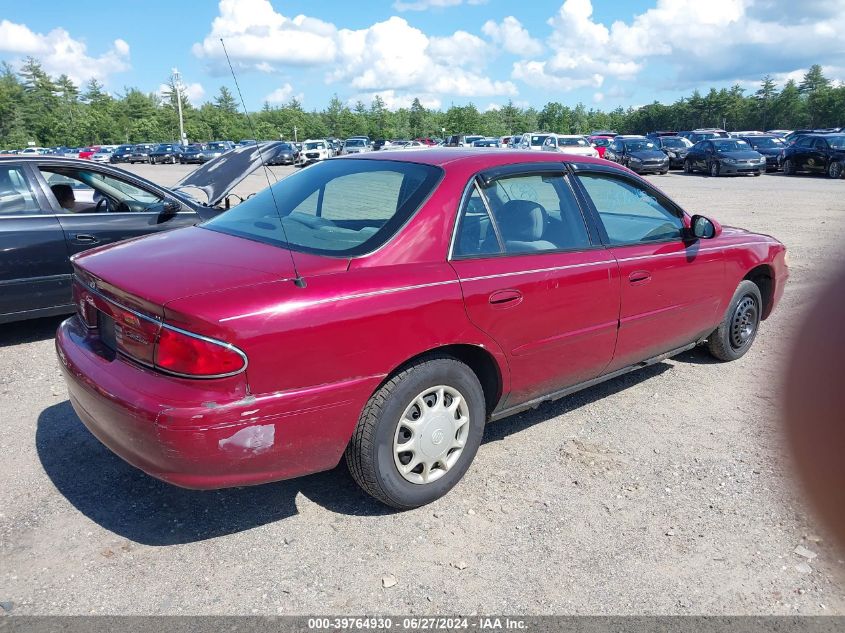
pixel 639 145
pixel 674 142
pixel 338 207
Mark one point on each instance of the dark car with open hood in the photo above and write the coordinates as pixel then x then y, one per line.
pixel 675 147
pixel 723 156
pixel 816 154
pixel 637 153
pixel 53 207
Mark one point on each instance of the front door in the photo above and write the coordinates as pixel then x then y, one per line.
pixel 103 209
pixel 670 288
pixel 536 282
pixel 34 267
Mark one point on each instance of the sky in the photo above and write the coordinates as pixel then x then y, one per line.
pixel 604 53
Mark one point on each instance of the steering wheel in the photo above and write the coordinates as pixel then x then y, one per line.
pixel 102 202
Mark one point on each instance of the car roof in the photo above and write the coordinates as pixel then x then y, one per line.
pixel 473 158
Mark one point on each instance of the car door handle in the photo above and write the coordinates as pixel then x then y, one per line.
pixel 84 238
pixel 639 277
pixel 505 298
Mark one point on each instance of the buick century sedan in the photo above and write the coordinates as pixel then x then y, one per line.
pixel 385 306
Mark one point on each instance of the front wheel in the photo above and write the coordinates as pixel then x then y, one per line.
pixel 687 167
pixel 737 331
pixel 788 167
pixel 419 433
pixel 834 170
pixel 714 169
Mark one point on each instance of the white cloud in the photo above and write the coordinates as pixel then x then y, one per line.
pixel 60 54
pixel 424 5
pixel 717 40
pixel 194 92
pixel 283 94
pixel 512 37
pixel 257 37
pixel 393 55
pixel 393 100
pixel 390 57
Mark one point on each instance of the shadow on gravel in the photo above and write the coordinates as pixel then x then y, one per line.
pixel 697 356
pixel 134 505
pixel 29 331
pixel 137 507
pixel 514 424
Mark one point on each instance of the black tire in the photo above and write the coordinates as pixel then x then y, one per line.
pixel 788 167
pixel 835 170
pixel 370 452
pixel 715 169
pixel 687 167
pixel 756 173
pixel 664 172
pixel 731 340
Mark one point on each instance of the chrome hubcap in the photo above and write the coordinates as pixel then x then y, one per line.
pixel 835 170
pixel 431 434
pixel 744 322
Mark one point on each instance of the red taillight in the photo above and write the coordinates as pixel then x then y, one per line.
pixel 189 355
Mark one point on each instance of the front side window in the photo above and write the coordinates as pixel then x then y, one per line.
pixel 339 207
pixel 16 197
pixel 531 213
pixel 84 191
pixel 631 214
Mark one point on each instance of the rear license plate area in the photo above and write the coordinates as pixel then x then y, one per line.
pixel 105 325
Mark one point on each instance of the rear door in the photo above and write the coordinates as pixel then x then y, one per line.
pixel 109 209
pixel 535 280
pixel 34 267
pixel 670 288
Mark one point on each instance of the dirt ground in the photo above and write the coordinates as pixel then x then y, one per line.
pixel 666 491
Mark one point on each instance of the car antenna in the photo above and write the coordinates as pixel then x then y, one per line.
pixel 298 281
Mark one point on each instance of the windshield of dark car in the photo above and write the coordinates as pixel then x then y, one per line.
pixel 766 143
pixel 836 142
pixel 639 146
pixel 338 207
pixel 165 148
pixel 217 146
pixel 674 142
pixel 730 146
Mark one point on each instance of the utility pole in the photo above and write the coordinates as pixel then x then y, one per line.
pixel 294 134
pixel 177 80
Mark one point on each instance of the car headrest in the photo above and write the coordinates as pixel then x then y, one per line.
pixel 522 220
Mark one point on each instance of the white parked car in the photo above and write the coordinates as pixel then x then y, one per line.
pixel 533 140
pixel 356 145
pixel 314 150
pixel 569 144
pixel 103 155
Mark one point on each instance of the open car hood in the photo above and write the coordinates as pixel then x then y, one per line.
pixel 219 176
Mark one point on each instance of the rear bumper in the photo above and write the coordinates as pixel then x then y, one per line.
pixel 179 431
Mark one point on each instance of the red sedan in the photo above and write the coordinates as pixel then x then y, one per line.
pixel 385 306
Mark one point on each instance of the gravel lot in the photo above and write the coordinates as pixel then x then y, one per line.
pixel 667 491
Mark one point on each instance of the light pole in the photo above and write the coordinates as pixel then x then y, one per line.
pixel 176 78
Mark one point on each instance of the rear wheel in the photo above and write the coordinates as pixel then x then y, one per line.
pixel 834 170
pixel 418 433
pixel 737 331
pixel 789 167
pixel 715 168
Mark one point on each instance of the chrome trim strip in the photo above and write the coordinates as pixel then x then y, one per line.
pixel 683 252
pixel 162 324
pixel 5 282
pixel 540 270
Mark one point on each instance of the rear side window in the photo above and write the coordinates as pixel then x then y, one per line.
pixel 16 197
pixel 532 213
pixel 338 207
pixel 630 213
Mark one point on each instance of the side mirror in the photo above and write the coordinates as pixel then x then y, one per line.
pixel 703 228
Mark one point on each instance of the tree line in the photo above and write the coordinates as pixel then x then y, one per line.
pixel 51 111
